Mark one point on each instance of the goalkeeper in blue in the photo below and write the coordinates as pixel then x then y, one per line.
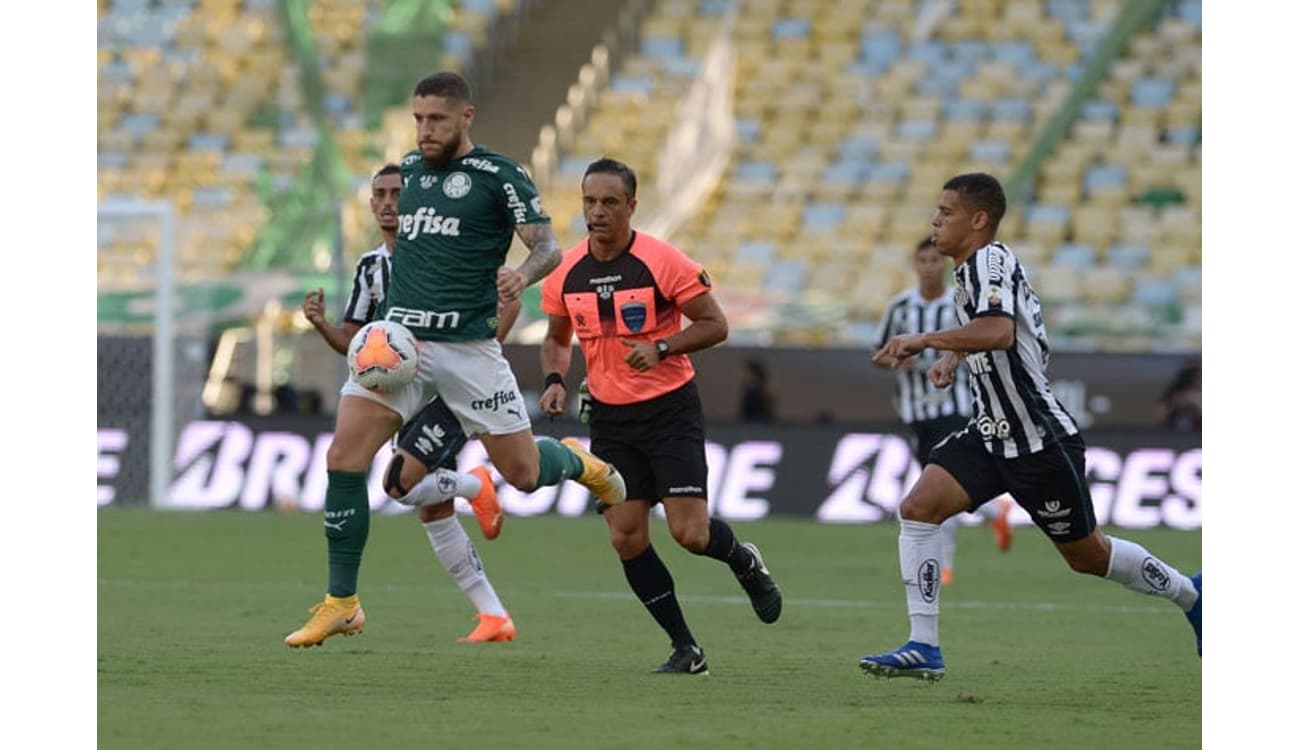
pixel 1020 439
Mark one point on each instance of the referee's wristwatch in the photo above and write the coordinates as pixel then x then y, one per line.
pixel 661 348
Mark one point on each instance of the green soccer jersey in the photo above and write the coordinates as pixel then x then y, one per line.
pixel 456 226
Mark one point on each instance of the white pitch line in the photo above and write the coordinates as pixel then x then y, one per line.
pixel 696 598
pixel 869 604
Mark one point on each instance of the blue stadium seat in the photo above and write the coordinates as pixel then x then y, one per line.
pixel 757 171
pixel 881 47
pixel 112 160
pixel 1019 110
pixel 138 124
pixel 1128 255
pixel 929 51
pixel 1075 255
pixel 755 251
pixel 785 276
pixel 964 109
pixel 846 172
pixel 748 131
pixel 917 130
pixel 681 66
pixel 1155 292
pixel 1101 176
pixel 1099 109
pixel 990 150
pixel 624 84
pixel 208 142
pixel 790 28
pixel 1184 135
pixel 1155 91
pixel 823 217
pixel 858 147
pixel 896 172
pixel 969 51
pixel 661 47
pixel 1018 53
pixel 715 8
pixel 1046 212
pixel 1038 71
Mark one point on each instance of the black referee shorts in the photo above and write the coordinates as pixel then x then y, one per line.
pixel 657 445
pixel 1049 484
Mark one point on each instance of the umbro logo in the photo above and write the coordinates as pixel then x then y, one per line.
pixel 1053 509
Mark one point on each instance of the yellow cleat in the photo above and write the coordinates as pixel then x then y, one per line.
pixel 600 477
pixel 333 616
pixel 491 628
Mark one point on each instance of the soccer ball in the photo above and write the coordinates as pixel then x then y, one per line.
pixel 383 356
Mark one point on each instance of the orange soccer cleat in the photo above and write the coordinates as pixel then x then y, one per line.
pixel 1002 525
pixel 490 629
pixel 485 504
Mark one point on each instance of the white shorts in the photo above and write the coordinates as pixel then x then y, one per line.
pixel 472 377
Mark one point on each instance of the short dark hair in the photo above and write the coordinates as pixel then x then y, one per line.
pixel 927 242
pixel 389 168
pixel 445 84
pixel 980 192
pixel 614 167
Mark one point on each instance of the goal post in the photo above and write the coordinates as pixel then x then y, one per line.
pixel 162 396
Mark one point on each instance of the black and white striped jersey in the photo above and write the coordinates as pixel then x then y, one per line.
pixel 1015 410
pixel 918 400
pixel 369 286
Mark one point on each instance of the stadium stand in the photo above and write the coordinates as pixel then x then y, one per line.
pixel 847 117
pixel 850 115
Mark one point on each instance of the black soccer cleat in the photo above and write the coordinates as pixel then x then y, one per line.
pixel 685 660
pixel 763 592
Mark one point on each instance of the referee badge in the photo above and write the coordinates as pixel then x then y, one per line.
pixel 633 315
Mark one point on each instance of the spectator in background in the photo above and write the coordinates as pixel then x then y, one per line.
pixel 757 403
pixel 1179 408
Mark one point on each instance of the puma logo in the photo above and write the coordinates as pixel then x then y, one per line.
pixel 336 526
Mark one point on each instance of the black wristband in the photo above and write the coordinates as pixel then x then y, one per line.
pixel 554 377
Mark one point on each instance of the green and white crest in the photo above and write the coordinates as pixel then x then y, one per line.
pixel 457 185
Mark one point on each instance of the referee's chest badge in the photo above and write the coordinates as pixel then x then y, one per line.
pixel 633 315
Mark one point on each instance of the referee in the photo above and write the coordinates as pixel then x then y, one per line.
pixel 623 294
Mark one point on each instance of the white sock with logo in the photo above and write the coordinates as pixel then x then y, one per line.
pixel 1139 570
pixel 948 530
pixel 440 486
pixel 919 548
pixel 457 554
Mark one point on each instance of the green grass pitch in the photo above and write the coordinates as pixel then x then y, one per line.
pixel 192 608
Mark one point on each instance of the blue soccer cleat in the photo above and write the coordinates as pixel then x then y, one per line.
pixel 912 659
pixel 1194 614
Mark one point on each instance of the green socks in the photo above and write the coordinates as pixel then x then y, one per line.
pixel 347 524
pixel 558 463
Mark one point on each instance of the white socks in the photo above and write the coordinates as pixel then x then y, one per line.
pixel 440 486
pixel 1139 570
pixel 948 530
pixel 920 546
pixel 457 554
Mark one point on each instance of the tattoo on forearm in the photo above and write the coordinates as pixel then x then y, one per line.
pixel 543 251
